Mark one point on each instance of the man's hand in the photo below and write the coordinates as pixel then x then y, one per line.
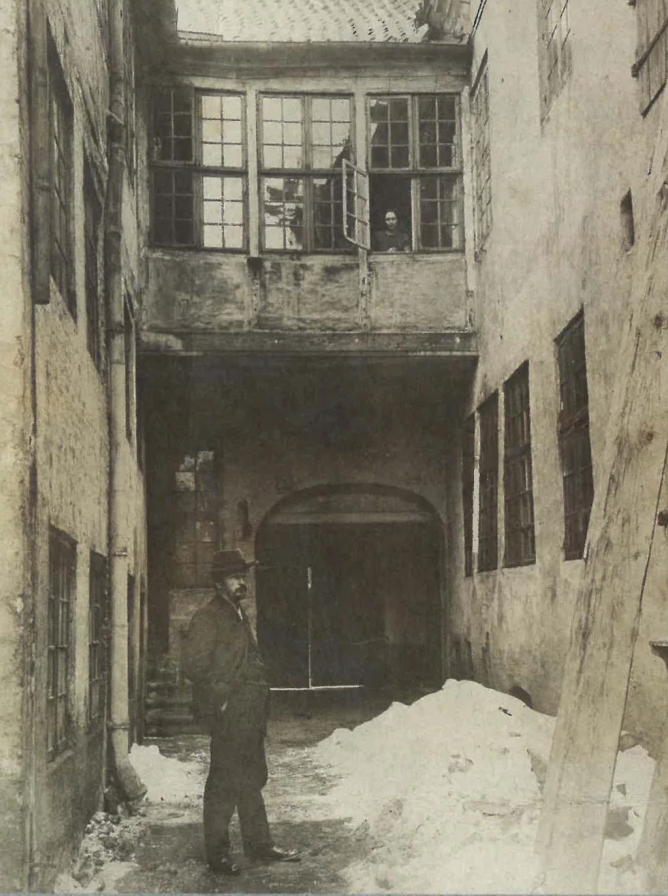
pixel 223 707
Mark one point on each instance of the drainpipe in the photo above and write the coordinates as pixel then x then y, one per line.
pixel 128 782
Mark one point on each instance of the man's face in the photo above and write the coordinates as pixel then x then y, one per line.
pixel 236 586
pixel 391 220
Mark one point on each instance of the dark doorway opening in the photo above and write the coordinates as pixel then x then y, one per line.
pixel 350 604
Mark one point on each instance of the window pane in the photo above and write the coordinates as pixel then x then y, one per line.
pixel 292 109
pixel 233 213
pixel 283 210
pixel 211 106
pixel 233 188
pixel 232 157
pixel 234 237
pixel 212 155
pixel 212 187
pixel 213 236
pixel 272 157
pixel 231 108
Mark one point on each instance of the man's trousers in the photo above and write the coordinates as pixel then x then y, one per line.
pixel 237 774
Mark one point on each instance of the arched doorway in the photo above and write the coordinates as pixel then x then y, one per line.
pixel 349 590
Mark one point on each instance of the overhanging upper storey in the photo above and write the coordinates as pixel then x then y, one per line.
pixel 307 186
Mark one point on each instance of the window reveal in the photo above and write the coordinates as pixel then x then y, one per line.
pixel 303 143
pixel 489 484
pixel 520 543
pixel 415 168
pixel 574 442
pixel 198 169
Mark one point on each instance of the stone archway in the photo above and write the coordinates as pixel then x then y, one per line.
pixel 349 589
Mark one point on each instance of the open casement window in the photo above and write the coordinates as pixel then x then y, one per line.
pixel 651 65
pixel 303 143
pixel 356 205
pixel 198 169
pixel 415 171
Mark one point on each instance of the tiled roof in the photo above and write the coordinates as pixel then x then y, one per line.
pixel 296 21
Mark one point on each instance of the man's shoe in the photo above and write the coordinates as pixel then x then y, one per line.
pixel 224 866
pixel 274 854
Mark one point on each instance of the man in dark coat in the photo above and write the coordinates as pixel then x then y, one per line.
pixel 231 695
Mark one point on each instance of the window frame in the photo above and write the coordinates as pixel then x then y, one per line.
pixel 574 437
pixel 60 641
pixel 550 87
pixel 652 47
pixel 61 180
pixel 200 510
pixel 98 620
pixel 488 493
pixel 415 172
pixel 481 157
pixel 196 168
pixel 307 173
pixel 520 536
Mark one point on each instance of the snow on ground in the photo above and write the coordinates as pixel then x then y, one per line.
pixel 167 779
pixel 449 790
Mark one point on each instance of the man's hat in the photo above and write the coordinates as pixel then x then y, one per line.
pixel 229 563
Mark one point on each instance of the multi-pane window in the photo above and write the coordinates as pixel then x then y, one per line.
pixel 574 443
pixel 520 543
pixel 97 622
pixel 93 216
pixel 196 511
pixel 198 169
pixel 482 169
pixel 489 484
pixel 303 142
pixel 62 585
pixel 651 64
pixel 61 175
pixel 415 171
pixel 468 479
pixel 555 49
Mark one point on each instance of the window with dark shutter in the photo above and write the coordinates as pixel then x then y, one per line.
pixel 520 542
pixel 489 484
pixel 574 443
pixel 468 480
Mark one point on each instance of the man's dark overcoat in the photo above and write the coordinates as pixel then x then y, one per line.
pixel 230 689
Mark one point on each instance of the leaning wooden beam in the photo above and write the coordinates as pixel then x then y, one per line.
pixel 619 561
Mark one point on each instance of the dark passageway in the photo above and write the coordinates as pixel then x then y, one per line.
pixel 348 594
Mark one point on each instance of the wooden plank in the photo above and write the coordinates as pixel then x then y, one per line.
pixel 40 155
pixel 609 603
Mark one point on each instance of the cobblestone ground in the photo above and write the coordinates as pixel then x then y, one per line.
pixel 170 855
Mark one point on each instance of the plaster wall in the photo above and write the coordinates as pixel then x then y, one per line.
pixel 556 244
pixel 15 455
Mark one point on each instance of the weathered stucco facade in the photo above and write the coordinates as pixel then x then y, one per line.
pixel 559 242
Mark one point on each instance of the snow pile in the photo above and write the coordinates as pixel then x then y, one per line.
pixel 167 780
pixel 448 791
pixel 106 853
pixel 628 802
